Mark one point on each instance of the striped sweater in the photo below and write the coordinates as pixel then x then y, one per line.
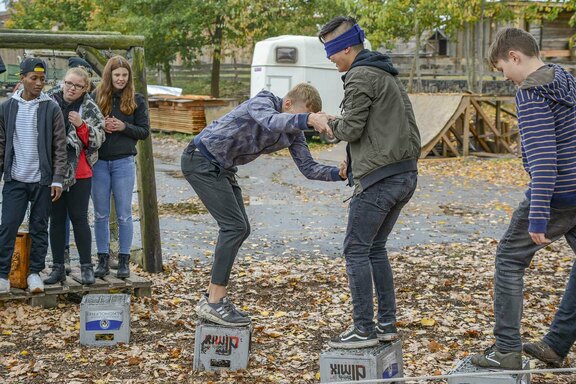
pixel 546 108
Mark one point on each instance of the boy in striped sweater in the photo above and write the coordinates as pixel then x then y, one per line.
pixel 33 162
pixel 546 109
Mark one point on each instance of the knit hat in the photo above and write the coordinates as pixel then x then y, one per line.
pixel 32 64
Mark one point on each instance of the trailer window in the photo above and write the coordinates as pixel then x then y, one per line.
pixel 286 55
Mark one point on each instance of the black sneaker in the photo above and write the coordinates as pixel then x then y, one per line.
pixel 223 313
pixel 492 358
pixel 543 352
pixel 354 338
pixel 386 332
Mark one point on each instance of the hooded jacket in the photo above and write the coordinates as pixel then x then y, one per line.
pixel 257 127
pixel 51 139
pixel 94 120
pixel 546 109
pixel 377 121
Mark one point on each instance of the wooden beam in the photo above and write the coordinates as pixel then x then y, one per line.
pixel 555 53
pixel 147 198
pixel 490 125
pixel 450 146
pixel 63 41
pixel 37 31
pixel 480 139
pixel 94 57
pixel 466 133
pixel 509 113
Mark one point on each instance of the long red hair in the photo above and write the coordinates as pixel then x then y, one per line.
pixel 106 88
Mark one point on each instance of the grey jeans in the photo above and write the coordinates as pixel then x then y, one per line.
pixel 220 193
pixel 372 216
pixel 513 255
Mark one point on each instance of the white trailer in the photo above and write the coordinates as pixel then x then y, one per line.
pixel 279 63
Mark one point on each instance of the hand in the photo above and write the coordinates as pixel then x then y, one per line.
pixel 343 168
pixel 75 118
pixel 540 238
pixel 55 193
pixel 319 121
pixel 112 124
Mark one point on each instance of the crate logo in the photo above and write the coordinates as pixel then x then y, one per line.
pixel 223 344
pixel 348 371
pixel 391 371
pixel 103 320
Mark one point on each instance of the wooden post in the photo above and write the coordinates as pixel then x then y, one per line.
pixel 498 127
pixel 466 132
pixel 147 199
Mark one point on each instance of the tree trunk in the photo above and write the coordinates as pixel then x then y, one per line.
pixel 166 69
pixel 415 64
pixel 217 41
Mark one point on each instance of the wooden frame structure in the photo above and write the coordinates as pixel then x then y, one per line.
pixel 93 47
pixel 472 129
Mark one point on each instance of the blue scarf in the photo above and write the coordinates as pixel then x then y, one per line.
pixel 353 36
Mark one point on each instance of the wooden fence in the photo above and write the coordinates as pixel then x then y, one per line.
pixel 179 74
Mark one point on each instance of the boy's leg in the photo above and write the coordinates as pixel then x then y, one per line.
pixel 402 187
pixel 58 217
pixel 562 333
pixel 14 204
pixel 41 203
pixel 513 255
pixel 222 197
pixel 101 192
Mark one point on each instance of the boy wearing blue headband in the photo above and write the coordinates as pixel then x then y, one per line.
pixel 383 149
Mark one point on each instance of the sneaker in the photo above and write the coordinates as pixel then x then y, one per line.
pixel 354 338
pixel 492 358
pixel 204 299
pixel 386 332
pixel 223 313
pixel 4 285
pixel 35 284
pixel 543 352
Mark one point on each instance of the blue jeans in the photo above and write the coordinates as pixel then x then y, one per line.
pixel 114 177
pixel 513 255
pixel 372 216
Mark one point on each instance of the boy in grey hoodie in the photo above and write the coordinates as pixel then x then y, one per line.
pixel 32 160
pixel 263 124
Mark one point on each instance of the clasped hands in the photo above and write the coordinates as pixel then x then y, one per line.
pixel 319 121
pixel 112 124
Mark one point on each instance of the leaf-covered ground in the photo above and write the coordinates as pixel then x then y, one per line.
pixel 444 300
pixel 297 304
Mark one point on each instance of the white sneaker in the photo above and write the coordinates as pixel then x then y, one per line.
pixel 4 285
pixel 35 284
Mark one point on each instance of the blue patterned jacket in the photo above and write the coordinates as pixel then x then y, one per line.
pixel 257 127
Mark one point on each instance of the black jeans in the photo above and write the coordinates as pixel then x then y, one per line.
pixel 73 203
pixel 371 218
pixel 513 255
pixel 15 198
pixel 220 193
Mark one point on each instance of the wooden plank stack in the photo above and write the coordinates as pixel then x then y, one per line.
pixel 185 114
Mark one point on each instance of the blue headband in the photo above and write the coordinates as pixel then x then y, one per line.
pixel 353 36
